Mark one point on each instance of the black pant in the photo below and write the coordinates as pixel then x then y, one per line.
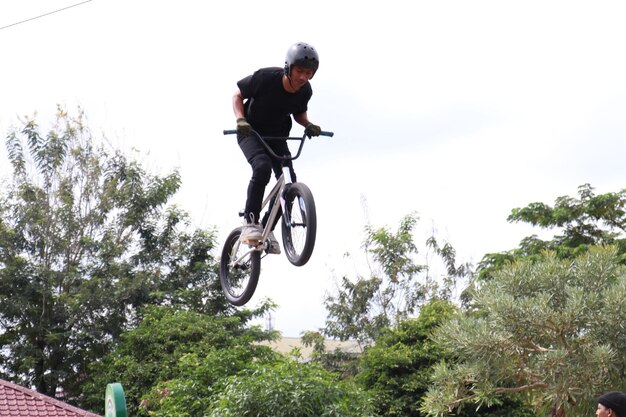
pixel 262 164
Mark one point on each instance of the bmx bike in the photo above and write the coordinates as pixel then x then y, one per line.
pixel 240 263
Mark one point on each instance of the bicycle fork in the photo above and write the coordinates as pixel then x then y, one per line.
pixel 281 196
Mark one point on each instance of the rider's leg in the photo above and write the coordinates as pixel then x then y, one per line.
pixel 261 165
pixel 280 148
pixel 273 245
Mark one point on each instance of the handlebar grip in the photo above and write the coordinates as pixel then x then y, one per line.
pixel 230 131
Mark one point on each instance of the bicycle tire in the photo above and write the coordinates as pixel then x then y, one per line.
pixel 239 281
pixel 299 224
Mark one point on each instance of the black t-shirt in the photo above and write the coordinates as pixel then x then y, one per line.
pixel 268 107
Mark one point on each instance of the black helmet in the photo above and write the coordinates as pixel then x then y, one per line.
pixel 303 55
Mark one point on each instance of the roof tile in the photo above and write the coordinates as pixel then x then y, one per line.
pixel 17 401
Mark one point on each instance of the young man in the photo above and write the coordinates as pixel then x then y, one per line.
pixel 265 101
pixel 612 404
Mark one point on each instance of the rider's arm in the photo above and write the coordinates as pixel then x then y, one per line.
pixel 310 129
pixel 238 104
pixel 302 119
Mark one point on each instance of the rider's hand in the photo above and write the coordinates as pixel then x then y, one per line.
pixel 243 128
pixel 312 130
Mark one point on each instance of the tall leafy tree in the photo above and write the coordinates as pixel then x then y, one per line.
pixel 176 350
pixel 578 222
pixel 287 388
pixel 86 239
pixel 182 363
pixel 397 369
pixel 364 307
pixel 550 330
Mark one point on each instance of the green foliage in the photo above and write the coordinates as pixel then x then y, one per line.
pixel 287 388
pixel 365 306
pixel 393 251
pixel 315 340
pixel 86 239
pixel 397 368
pixel 550 330
pixel 178 345
pixel 199 379
pixel 337 361
pixel 350 312
pixel 582 222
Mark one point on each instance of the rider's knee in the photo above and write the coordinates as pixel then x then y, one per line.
pixel 262 171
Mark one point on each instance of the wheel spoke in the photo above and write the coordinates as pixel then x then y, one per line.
pixel 299 225
pixel 239 269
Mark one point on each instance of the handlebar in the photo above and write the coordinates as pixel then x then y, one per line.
pixel 322 133
pixel 264 140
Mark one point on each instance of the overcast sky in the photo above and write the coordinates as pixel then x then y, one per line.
pixel 457 110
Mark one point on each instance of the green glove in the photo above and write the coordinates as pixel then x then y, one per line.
pixel 312 130
pixel 243 128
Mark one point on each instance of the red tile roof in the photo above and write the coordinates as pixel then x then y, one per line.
pixel 16 401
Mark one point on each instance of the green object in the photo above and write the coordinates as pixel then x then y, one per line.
pixel 114 401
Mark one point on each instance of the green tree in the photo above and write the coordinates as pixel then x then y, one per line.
pixel 172 344
pixel 579 222
pixel 396 369
pixel 398 284
pixel 287 388
pixel 86 240
pixel 550 330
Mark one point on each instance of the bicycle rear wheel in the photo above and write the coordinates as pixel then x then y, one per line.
pixel 239 278
pixel 299 224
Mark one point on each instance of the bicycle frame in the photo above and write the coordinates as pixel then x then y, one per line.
pixel 240 264
pixel 277 191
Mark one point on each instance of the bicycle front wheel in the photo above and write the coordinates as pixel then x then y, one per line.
pixel 240 267
pixel 299 224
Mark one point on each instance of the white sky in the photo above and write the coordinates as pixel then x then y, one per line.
pixel 458 110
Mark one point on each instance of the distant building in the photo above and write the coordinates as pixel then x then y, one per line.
pixel 17 401
pixel 285 345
